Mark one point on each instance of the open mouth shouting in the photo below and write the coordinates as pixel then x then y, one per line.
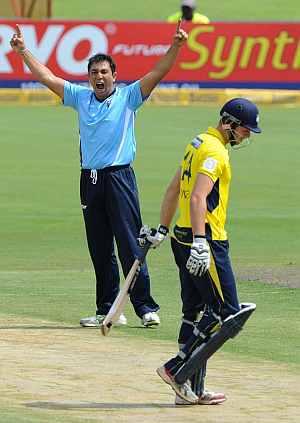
pixel 100 85
pixel 102 79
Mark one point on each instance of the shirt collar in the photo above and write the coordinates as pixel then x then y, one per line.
pixel 217 134
pixel 104 99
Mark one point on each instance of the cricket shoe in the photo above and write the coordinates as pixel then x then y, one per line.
pixel 150 319
pixel 184 391
pixel 96 321
pixel 207 398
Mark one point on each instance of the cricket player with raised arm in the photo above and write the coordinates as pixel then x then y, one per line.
pixel 108 189
pixel 200 189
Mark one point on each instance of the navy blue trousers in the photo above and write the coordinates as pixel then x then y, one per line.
pixel 110 205
pixel 199 291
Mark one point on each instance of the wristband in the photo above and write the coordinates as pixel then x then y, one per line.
pixel 199 237
pixel 163 230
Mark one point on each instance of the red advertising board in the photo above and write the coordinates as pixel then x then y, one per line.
pixel 258 55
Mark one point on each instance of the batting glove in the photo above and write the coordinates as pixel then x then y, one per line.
pixel 199 260
pixel 154 236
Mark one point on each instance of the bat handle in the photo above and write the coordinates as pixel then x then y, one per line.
pixel 144 252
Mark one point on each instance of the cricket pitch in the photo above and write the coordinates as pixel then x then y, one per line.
pixel 71 374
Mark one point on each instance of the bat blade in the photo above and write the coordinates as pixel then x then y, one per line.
pixel 121 300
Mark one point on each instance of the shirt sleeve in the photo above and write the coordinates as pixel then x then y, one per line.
pixel 211 164
pixel 71 94
pixel 135 99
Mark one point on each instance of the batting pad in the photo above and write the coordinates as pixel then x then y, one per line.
pixel 231 326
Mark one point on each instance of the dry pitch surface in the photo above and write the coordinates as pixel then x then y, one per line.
pixel 72 374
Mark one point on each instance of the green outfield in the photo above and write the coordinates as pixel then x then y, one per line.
pixel 54 371
pixel 45 268
pixel 235 10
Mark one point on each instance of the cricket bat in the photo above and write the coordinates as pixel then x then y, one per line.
pixel 120 302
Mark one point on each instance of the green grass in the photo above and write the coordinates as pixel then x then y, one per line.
pixel 65 296
pixel 45 268
pixel 265 186
pixel 234 10
pixel 40 199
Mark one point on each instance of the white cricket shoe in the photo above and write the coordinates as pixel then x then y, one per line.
pixel 207 398
pixel 150 319
pixel 96 321
pixel 184 390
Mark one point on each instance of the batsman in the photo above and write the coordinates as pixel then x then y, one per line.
pixel 210 306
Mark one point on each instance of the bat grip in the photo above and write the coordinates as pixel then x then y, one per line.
pixel 144 251
pixel 141 260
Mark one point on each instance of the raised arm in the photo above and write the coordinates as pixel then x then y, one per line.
pixel 40 72
pixel 164 65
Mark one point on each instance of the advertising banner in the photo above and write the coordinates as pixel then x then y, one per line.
pixel 231 55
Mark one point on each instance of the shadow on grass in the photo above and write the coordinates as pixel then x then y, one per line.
pixel 94 405
pixel 41 327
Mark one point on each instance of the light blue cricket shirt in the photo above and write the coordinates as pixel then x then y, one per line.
pixel 106 128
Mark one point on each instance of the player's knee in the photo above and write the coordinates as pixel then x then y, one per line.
pixel 187 327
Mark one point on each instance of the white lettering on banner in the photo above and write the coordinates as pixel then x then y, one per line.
pixel 65 50
pixel 141 49
pixel 41 49
pixel 54 36
pixel 6 32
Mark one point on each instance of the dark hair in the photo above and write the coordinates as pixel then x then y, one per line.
pixel 102 58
